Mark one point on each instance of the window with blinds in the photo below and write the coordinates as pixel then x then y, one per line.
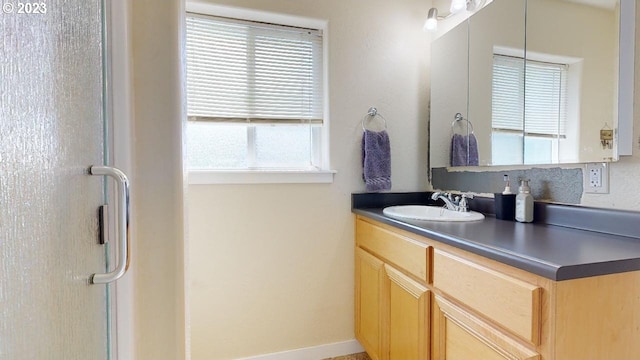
pixel 529 110
pixel 536 105
pixel 254 94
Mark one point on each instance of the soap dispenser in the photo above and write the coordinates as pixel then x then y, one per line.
pixel 505 202
pixel 524 203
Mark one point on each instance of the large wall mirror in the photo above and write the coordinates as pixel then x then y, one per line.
pixel 533 81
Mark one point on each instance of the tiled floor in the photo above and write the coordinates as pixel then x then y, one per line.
pixel 360 356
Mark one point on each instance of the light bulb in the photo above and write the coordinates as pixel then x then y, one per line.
pixel 431 25
pixel 475 5
pixel 432 20
pixel 457 5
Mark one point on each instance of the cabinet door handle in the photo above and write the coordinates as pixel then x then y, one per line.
pixel 123 224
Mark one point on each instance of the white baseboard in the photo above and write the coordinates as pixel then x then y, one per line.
pixel 314 352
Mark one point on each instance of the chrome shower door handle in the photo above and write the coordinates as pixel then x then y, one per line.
pixel 123 224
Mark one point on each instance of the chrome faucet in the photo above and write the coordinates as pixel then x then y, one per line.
pixel 459 203
pixel 446 197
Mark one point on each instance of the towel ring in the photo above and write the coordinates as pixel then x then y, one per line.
pixel 458 117
pixel 373 112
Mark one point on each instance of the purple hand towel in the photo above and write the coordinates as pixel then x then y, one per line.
pixel 376 160
pixel 464 150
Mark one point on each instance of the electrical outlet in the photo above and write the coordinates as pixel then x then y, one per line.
pixel 596 178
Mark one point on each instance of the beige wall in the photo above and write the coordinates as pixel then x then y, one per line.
pixel 157 181
pixel 272 265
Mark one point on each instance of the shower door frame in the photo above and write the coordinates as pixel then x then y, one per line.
pixel 119 107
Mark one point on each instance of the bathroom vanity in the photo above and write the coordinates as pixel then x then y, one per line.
pixel 493 289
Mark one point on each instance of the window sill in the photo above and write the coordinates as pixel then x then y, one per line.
pixel 205 177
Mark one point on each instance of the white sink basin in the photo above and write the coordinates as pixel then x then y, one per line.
pixel 430 213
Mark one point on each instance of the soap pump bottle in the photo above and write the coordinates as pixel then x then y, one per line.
pixel 505 202
pixel 507 186
pixel 524 203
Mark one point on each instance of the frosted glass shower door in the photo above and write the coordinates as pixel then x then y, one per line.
pixel 51 131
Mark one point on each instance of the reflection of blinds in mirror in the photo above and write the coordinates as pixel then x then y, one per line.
pixel 508 93
pixel 542 97
pixel 240 71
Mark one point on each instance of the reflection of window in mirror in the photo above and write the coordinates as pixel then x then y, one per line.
pixel 533 134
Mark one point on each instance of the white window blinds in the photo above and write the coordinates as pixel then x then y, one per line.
pixel 252 72
pixel 541 98
pixel 507 93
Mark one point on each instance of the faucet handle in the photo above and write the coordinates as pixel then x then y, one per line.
pixel 463 205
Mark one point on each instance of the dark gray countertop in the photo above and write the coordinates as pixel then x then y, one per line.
pixel 555 252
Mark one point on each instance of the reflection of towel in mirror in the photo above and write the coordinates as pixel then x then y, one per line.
pixel 376 160
pixel 461 146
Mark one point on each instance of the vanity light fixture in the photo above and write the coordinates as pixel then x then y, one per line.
pixel 432 20
pixel 456 6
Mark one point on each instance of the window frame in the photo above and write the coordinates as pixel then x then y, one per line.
pixel 320 172
pixel 564 65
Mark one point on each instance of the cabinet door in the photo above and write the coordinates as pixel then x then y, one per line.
pixel 458 335
pixel 369 285
pixel 408 317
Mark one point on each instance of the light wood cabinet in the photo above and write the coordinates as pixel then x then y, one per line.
pixel 459 335
pixel 392 311
pixel 401 251
pixel 510 302
pixel 408 317
pixel 417 298
pixel 370 280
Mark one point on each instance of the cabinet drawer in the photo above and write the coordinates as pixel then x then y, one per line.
pixel 509 302
pixel 405 253
pixel 459 335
